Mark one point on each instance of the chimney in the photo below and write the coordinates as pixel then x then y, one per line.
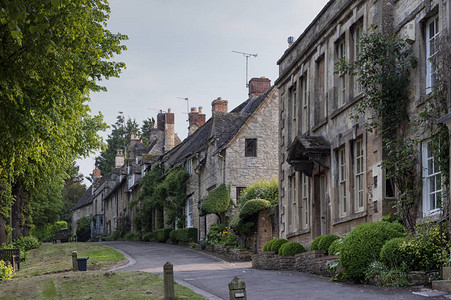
pixel 196 119
pixel 219 105
pixel 119 159
pixel 96 174
pixel 169 131
pixel 258 86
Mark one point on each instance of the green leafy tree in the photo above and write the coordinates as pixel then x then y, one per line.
pixel 53 53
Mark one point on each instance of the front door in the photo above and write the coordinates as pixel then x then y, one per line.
pixel 323 201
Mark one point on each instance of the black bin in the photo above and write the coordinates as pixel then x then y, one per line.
pixel 82 263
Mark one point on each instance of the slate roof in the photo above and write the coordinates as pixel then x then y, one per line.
pixel 85 199
pixel 221 126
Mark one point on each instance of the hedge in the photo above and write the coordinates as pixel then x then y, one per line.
pixel 218 201
pixel 291 248
pixel 363 245
pixel 253 206
pixel 325 242
pixel 148 236
pixel 187 235
pixel 315 243
pixel 334 247
pixel 162 235
pixel 267 246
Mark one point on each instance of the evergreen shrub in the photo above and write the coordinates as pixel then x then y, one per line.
pixel 291 248
pixel 363 244
pixel 315 243
pixel 277 243
pixel 334 247
pixel 26 243
pixel 217 202
pixel 148 236
pixel 173 236
pixel 129 236
pixel 162 235
pixel 325 242
pixel 187 235
pixel 253 206
pixel 267 246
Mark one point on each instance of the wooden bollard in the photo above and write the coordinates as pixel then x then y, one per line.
pixel 237 289
pixel 74 261
pixel 168 269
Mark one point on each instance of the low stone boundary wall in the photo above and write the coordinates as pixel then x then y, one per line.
pixel 226 250
pixel 314 262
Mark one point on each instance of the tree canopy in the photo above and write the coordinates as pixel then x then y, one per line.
pixel 53 53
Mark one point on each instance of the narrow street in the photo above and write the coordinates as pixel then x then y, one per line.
pixel 209 275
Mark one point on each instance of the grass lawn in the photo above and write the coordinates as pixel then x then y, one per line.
pixel 53 258
pixel 47 274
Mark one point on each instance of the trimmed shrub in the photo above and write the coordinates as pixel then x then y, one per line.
pixel 253 206
pixel 363 244
pixel 218 201
pixel 267 246
pixel 268 190
pixel 277 243
pixel 162 235
pixel 334 247
pixel 148 236
pixel 291 248
pixel 173 236
pixel 129 236
pixel 325 242
pixel 315 243
pixel 187 235
pixel 26 243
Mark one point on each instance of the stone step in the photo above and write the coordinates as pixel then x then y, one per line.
pixel 442 285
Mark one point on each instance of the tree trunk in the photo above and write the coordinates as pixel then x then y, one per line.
pixel 20 211
pixel 2 230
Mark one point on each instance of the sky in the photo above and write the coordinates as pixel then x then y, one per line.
pixel 183 49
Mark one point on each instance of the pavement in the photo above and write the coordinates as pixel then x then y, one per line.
pixel 209 275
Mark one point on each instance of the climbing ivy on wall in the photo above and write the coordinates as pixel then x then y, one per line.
pixel 383 67
pixel 161 192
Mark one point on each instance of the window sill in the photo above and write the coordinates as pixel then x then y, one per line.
pixel 298 232
pixel 349 218
pixel 319 124
pixel 345 106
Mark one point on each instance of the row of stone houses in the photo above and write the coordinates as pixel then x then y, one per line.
pixel 235 148
pixel 330 177
pixel 328 165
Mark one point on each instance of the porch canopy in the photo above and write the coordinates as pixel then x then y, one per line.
pixel 305 151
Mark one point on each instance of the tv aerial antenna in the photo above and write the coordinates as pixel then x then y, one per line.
pixel 246 55
pixel 187 105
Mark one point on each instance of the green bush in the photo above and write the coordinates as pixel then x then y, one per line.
pixel 253 206
pixel 420 252
pixel 148 236
pixel 291 248
pixel 268 190
pixel 162 235
pixel 315 243
pixel 83 226
pixel 107 238
pixel 267 246
pixel 26 243
pixel 334 247
pixel 173 236
pixel 363 244
pixel 129 236
pixel 217 202
pixel 277 243
pixel 187 235
pixel 6 271
pixel 325 242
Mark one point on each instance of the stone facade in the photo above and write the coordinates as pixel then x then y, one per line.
pixel 330 179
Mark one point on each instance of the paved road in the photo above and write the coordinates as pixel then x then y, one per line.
pixel 209 275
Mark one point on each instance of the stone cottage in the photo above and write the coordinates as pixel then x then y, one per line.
pixel 330 178
pixel 235 148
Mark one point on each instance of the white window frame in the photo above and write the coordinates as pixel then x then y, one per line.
pixel 432 195
pixel 189 166
pixel 357 34
pixel 358 175
pixel 342 182
pixel 189 212
pixel 432 32
pixel 305 201
pixel 304 96
pixel 341 52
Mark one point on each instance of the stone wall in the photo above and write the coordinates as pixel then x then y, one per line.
pixel 314 262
